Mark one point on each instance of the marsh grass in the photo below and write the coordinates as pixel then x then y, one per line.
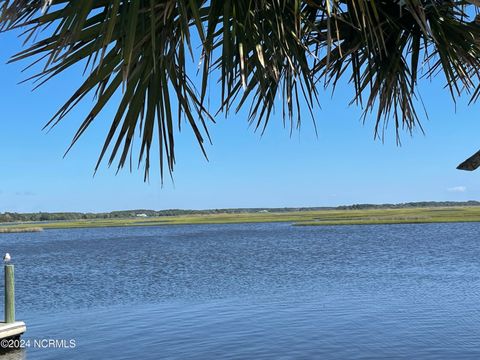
pixel 21 229
pixel 303 218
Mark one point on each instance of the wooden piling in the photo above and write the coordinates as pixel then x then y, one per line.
pixel 9 294
pixel 10 330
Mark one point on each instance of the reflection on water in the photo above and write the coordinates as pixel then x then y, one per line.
pixel 250 291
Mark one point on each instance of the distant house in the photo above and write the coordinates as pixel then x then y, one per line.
pixel 263 211
pixel 142 215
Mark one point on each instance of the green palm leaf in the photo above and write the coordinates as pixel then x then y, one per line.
pixel 263 53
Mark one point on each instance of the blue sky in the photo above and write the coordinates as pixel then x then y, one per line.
pixel 344 165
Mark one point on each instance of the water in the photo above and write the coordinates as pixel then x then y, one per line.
pixel 249 291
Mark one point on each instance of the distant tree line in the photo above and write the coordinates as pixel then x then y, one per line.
pixel 420 204
pixel 69 216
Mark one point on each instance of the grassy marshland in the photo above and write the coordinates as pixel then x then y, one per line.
pixel 21 229
pixel 304 218
pixel 395 216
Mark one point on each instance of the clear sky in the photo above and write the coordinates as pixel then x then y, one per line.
pixel 344 165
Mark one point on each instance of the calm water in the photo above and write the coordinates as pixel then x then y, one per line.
pixel 250 291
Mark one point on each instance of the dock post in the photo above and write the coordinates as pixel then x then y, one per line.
pixel 9 294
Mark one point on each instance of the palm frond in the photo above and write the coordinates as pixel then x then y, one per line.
pixel 262 52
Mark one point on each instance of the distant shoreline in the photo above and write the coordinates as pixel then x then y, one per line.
pixel 301 218
pixel 40 218
pixel 9 229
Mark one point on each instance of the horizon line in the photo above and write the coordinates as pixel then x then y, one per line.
pixel 295 208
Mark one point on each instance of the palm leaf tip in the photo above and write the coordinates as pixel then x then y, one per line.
pixel 472 163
